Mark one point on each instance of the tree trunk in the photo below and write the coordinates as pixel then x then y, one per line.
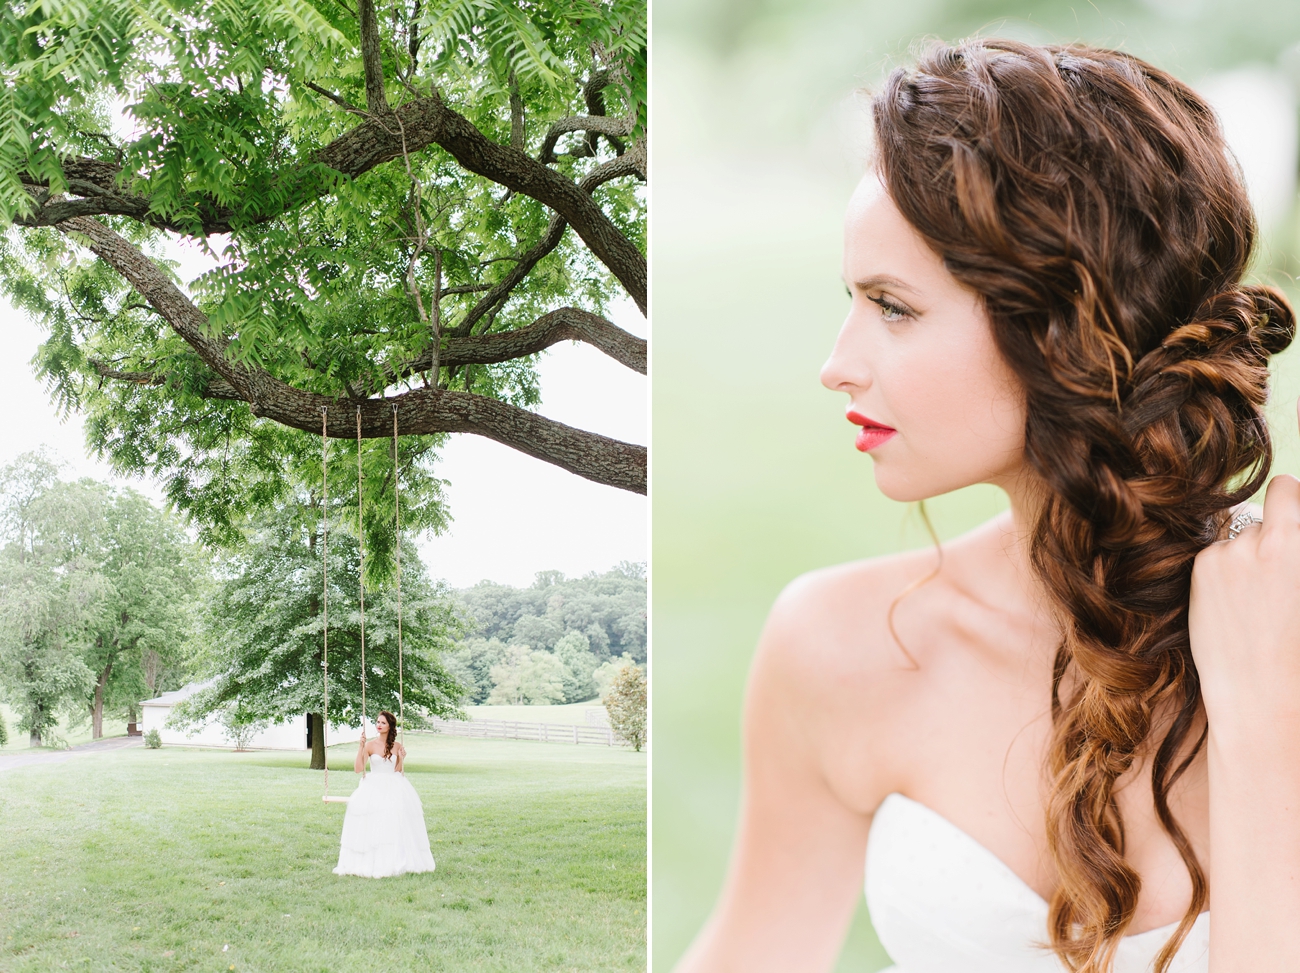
pixel 316 735
pixel 97 714
pixel 38 721
pixel 151 662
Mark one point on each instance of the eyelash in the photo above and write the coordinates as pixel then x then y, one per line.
pixel 888 307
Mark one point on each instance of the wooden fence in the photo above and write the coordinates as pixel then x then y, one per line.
pixel 514 730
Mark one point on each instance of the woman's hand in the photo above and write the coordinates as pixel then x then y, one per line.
pixel 1244 623
pixel 361 744
pixel 1244 618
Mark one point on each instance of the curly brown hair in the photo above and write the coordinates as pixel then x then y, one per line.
pixel 391 735
pixel 1091 201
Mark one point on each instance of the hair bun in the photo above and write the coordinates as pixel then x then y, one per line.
pixel 1275 321
pixel 1249 321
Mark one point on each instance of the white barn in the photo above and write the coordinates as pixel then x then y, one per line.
pixel 290 735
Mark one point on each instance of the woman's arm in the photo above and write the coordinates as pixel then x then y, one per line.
pixel 359 765
pixel 797 865
pixel 1245 636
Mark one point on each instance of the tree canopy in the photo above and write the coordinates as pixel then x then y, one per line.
pixel 264 644
pixel 405 201
pixel 608 609
pixel 549 642
pixel 97 597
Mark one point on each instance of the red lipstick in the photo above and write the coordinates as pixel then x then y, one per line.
pixel 872 434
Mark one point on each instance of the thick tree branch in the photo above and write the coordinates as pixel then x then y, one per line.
pixel 599 124
pixel 424 121
pixel 517 171
pixel 135 378
pixel 517 138
pixel 216 388
pixel 563 324
pixel 628 164
pixel 502 288
pixel 413 41
pixel 372 59
pixel 423 411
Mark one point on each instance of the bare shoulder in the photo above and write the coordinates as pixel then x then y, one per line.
pixel 832 624
pixel 829 680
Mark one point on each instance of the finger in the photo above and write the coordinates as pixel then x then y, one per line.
pixel 1282 503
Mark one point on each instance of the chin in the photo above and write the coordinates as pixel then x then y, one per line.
pixel 898 485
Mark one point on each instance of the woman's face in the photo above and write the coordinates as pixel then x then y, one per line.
pixel 938 407
pixel 381 725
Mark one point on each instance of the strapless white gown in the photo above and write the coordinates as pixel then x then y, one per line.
pixel 943 903
pixel 383 827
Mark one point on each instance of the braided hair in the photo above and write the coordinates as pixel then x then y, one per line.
pixel 391 735
pixel 1090 200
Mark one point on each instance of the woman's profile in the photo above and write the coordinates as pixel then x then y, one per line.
pixel 1078 735
pixel 383 827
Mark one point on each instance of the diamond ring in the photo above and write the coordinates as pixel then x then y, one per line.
pixel 1240 523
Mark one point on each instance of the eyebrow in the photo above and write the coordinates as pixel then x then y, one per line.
pixel 885 280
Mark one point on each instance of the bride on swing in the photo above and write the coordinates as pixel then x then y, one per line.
pixel 383 827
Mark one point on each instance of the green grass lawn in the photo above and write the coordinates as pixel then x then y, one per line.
pixel 157 860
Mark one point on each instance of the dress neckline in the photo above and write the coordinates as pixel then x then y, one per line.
pixel 917 807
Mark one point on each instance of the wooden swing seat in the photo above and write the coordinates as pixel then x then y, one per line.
pixel 331 799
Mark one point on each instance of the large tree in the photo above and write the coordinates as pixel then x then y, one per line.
pixel 405 201
pixel 150 581
pixel 265 646
pixel 46 599
pixel 97 591
pixel 97 596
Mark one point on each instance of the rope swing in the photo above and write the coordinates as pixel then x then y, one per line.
pixel 361 584
pixel 397 513
pixel 361 545
pixel 325 596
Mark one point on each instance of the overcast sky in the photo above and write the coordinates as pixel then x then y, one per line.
pixel 514 515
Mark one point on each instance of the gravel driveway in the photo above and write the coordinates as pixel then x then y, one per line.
pixel 8 761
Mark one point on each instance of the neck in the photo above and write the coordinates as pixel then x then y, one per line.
pixel 1024 492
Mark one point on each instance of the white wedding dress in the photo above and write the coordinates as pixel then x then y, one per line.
pixel 383 827
pixel 943 903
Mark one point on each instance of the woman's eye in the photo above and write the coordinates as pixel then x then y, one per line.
pixel 890 311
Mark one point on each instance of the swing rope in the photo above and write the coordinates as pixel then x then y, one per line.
pixel 397 512
pixel 325 593
pixel 361 546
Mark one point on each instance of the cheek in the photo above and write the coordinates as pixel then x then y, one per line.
pixel 962 414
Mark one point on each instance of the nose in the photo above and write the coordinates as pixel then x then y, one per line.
pixel 846 370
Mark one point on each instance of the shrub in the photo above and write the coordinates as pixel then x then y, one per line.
pixel 626 705
pixel 4 732
pixel 153 739
pixel 240 725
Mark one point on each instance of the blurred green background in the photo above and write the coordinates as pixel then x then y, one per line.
pixel 758 141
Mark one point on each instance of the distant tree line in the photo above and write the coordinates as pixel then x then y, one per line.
pixel 562 640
